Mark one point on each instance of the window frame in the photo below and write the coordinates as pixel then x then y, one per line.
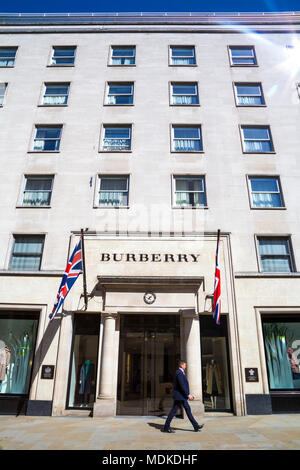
pixel 100 176
pixel 42 97
pixel 35 128
pixel 13 65
pixel 250 192
pixel 244 46
pixel 189 177
pixel 236 96
pixel 188 126
pixel 21 205
pixel 50 64
pixel 121 126
pixel 256 126
pixel 110 55
pixel 289 256
pixel 176 83
pixel 4 95
pixel 14 237
pixel 182 46
pixel 110 83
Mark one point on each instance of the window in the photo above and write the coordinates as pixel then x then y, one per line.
pixel 257 139
pixel 249 94
pixel 7 56
pixel 47 138
pixel 63 55
pixel 265 192
pixel 182 55
pixel 186 139
pixel 184 93
pixel 275 254
pixel 27 252
pixel 113 191
pixel 242 55
pixel 119 93
pixel 189 191
pixel 298 88
pixel 56 94
pixel 122 55
pixel 117 138
pixel 2 92
pixel 37 191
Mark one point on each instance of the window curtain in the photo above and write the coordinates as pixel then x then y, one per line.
pixel 123 60
pixel 274 255
pixel 186 145
pixel 113 192
pixel 30 246
pixel 185 99
pixel 249 100
pixel 258 146
pixel 55 100
pixel 266 200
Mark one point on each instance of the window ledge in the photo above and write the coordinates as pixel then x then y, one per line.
pixel 111 207
pixel 244 65
pixel 187 151
pixel 259 153
pixel 52 105
pixel 61 65
pixel 113 105
pixel 8 272
pixel 266 275
pixel 268 208
pixel 187 65
pixel 251 105
pixel 6 66
pixel 104 152
pixel 185 105
pixel 32 207
pixel 43 151
pixel 120 65
pixel 190 207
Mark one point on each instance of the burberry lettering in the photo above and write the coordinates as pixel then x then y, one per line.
pixel 150 257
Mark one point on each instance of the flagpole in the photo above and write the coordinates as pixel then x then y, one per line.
pixel 84 272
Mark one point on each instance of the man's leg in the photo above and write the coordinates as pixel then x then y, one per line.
pixel 189 414
pixel 171 415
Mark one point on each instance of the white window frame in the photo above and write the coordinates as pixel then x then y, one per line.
pixel 8 59
pixel 194 178
pixel 2 97
pixel 55 84
pixel 279 191
pixel 172 84
pixel 245 64
pixel 254 84
pixel 35 176
pixel 184 126
pixel 107 94
pixel 133 47
pixel 184 46
pixel 289 255
pixel 42 126
pixel 117 126
pixel 247 126
pixel 61 57
pixel 111 176
pixel 40 255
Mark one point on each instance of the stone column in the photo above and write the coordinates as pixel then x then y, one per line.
pixel 106 402
pixel 193 359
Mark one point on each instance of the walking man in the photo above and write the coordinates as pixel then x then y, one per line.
pixel 181 395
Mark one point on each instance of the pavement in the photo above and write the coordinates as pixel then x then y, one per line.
pixel 259 432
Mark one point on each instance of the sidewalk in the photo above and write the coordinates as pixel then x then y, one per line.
pixel 268 432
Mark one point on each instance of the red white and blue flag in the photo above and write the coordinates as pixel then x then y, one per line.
pixel 217 287
pixel 73 269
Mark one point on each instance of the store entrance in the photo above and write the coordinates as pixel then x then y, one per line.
pixel 148 355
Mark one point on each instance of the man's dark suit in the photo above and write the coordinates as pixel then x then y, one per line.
pixel 180 394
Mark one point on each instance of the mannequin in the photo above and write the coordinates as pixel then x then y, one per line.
pixel 4 361
pixel 86 378
pixel 294 363
pixel 213 382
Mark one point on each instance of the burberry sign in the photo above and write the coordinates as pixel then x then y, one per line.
pixel 150 257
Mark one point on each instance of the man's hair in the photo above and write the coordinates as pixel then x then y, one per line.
pixel 181 362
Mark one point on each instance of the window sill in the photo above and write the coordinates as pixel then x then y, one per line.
pixel 185 105
pixel 9 272
pixel 117 65
pixel 187 65
pixel 6 66
pixel 52 105
pixel 243 65
pixel 111 207
pixel 251 105
pixel 32 207
pixel 104 152
pixel 187 151
pixel 268 208
pixel 113 105
pixel 61 65
pixel 266 275
pixel 259 153
pixel 43 151
pixel 189 207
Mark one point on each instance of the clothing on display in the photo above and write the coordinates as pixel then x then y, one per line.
pixel 4 362
pixel 86 377
pixel 294 363
pixel 213 381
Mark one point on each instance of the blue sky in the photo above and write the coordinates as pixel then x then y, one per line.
pixel 30 6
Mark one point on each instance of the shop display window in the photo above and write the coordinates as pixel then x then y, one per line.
pixel 282 349
pixel 17 345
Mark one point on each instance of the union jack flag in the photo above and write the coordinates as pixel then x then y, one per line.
pixel 217 287
pixel 73 269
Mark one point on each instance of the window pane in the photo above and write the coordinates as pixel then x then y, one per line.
pixel 264 184
pixel 114 184
pixel 187 132
pixel 248 89
pixel 250 100
pixel 25 263
pixel 182 51
pixel 35 184
pixel 117 132
pixel 48 132
pixel 57 90
pixel 256 133
pixel 236 52
pixel 273 247
pixel 120 89
pixel 266 200
pixel 123 51
pixel 60 52
pixel 275 265
pixel 189 185
pixel 32 245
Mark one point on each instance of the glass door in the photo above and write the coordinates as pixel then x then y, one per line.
pixel 148 355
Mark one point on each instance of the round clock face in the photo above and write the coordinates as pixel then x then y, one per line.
pixel 149 297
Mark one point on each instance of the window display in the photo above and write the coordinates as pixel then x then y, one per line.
pixel 282 347
pixel 17 345
pixel 82 384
